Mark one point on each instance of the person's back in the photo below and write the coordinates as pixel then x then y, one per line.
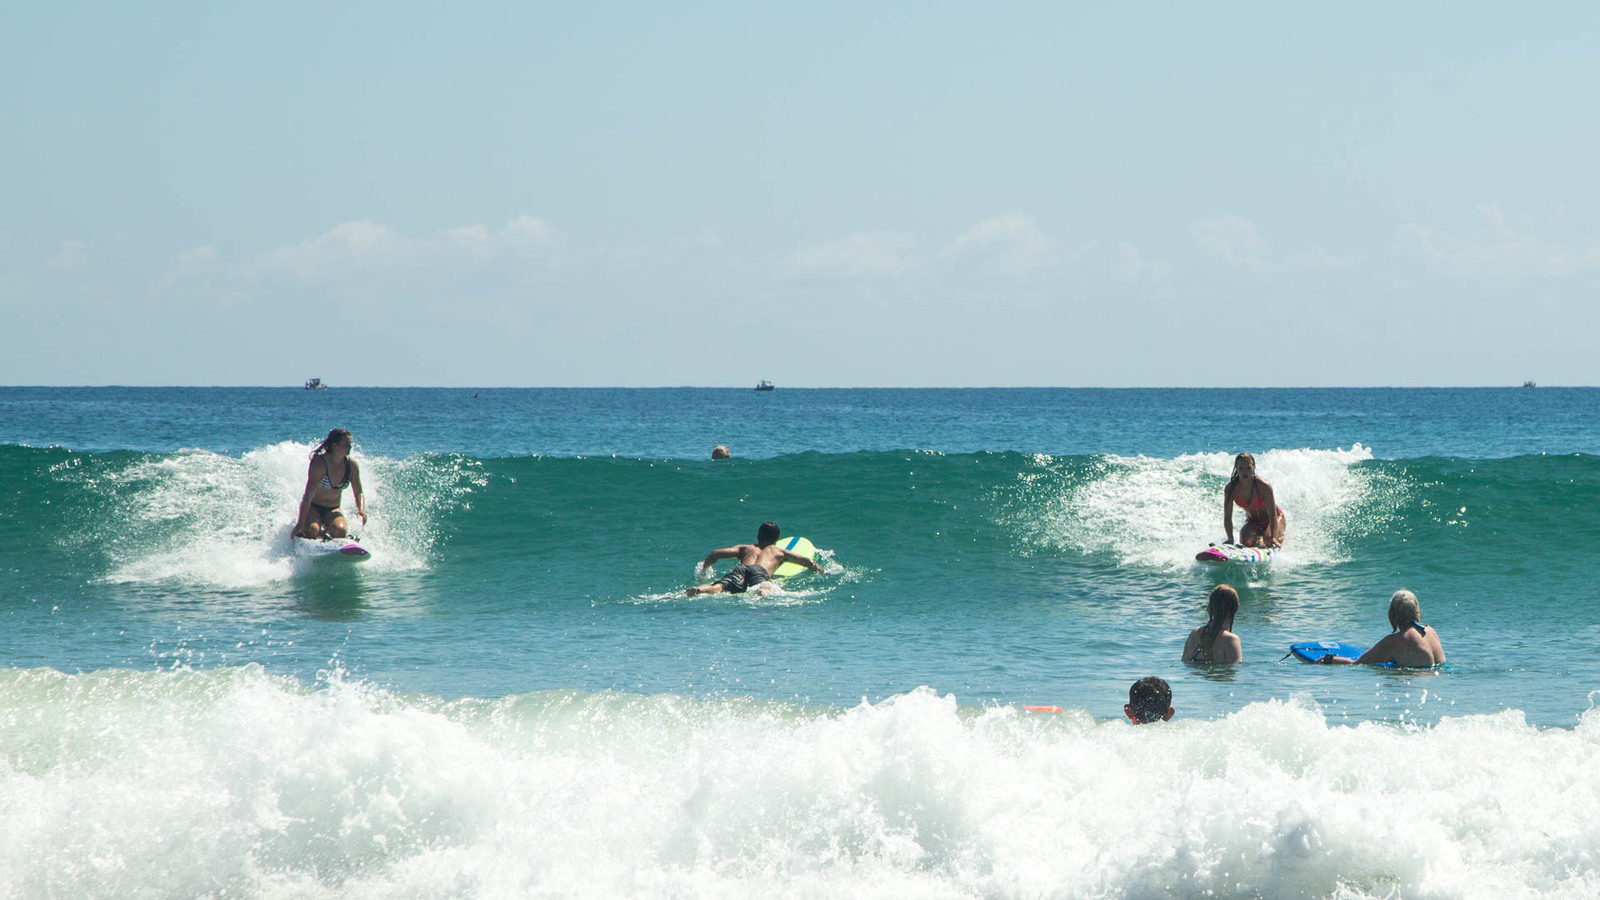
pixel 1214 643
pixel 1414 647
pixel 1411 645
pixel 757 563
pixel 1220 649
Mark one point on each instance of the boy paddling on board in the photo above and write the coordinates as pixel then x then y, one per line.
pixel 756 563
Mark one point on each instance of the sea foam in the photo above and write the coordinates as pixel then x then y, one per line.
pixel 1157 512
pixel 203 518
pixel 234 782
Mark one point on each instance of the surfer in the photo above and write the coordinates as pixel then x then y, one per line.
pixel 1214 643
pixel 1149 700
pixel 756 563
pixel 1264 524
pixel 1410 646
pixel 331 471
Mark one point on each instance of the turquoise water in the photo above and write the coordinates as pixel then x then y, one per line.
pixel 520 637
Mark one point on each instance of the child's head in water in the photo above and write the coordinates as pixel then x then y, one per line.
pixel 1149 700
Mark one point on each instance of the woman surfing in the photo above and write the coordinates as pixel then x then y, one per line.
pixel 1264 524
pixel 331 471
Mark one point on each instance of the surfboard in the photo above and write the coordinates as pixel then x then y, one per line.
pixel 797 545
pixel 1311 651
pixel 1233 553
pixel 333 548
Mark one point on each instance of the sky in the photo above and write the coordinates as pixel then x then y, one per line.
pixel 820 194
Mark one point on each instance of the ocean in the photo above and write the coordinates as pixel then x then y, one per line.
pixel 513 698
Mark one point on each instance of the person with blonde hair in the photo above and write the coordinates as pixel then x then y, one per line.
pixel 1214 643
pixel 1411 645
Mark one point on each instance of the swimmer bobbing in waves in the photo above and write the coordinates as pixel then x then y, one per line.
pixel 756 563
pixel 1411 645
pixel 1264 524
pixel 1214 643
pixel 330 472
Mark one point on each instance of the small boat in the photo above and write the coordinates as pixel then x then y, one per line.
pixel 1529 384
pixel 315 384
pixel 764 385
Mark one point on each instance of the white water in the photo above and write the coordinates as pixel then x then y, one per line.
pixel 1155 512
pixel 202 518
pixel 236 783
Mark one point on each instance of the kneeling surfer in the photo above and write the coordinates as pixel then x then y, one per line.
pixel 320 515
pixel 757 562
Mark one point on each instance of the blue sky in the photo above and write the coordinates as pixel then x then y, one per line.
pixel 822 194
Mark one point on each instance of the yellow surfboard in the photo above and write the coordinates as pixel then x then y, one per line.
pixel 799 546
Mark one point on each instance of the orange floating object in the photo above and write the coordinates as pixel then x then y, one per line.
pixel 1053 709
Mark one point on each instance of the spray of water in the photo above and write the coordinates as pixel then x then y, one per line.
pixel 1154 512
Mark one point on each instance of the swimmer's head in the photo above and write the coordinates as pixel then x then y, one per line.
pixel 1149 700
pixel 1224 603
pixel 1244 464
pixel 767 534
pixel 336 437
pixel 1404 610
pixel 719 452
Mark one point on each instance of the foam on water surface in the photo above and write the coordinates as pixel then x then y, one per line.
pixel 235 782
pixel 1157 512
pixel 208 519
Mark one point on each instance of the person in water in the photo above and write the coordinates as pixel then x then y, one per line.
pixel 1264 523
pixel 1411 645
pixel 1214 643
pixel 1149 700
pixel 756 563
pixel 331 471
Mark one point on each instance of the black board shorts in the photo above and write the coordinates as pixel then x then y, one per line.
pixel 743 578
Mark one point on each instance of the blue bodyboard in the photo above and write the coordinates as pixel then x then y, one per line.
pixel 1311 651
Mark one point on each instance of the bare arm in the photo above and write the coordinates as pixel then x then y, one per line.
pixel 724 553
pixel 1227 511
pixel 355 487
pixel 305 500
pixel 813 565
pixel 1381 652
pixel 1273 534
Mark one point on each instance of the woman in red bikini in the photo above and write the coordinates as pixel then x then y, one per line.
pixel 1264 521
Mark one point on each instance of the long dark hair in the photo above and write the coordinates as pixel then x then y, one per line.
pixel 336 436
pixel 1222 607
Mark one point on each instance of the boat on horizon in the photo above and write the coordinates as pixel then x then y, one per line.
pixel 315 384
pixel 764 385
pixel 1529 384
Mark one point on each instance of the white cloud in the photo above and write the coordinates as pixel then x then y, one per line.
pixel 1235 242
pixel 1011 244
pixel 367 247
pixel 875 255
pixel 1128 265
pixel 1495 247
pixel 73 256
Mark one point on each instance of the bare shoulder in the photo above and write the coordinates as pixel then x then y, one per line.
pixel 1192 643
